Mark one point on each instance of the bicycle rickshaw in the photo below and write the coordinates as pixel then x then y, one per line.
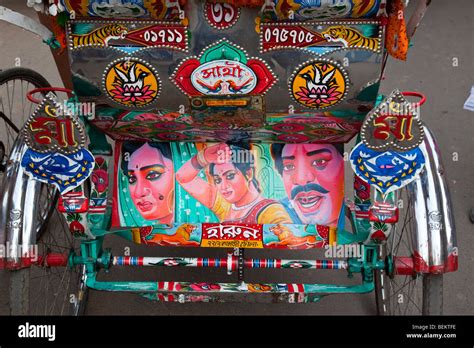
pixel 222 124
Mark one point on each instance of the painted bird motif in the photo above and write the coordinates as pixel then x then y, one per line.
pixel 318 86
pixel 316 82
pixel 225 87
pixel 130 81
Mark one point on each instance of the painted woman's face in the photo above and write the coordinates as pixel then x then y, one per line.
pixel 151 182
pixel 230 182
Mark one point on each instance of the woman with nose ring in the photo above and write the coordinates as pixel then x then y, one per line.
pixel 234 194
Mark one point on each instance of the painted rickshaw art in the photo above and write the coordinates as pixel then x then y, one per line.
pixel 131 83
pixel 319 84
pixel 229 121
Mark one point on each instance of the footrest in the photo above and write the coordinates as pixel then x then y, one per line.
pixel 214 292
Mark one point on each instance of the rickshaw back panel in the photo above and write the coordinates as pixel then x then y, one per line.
pixel 204 72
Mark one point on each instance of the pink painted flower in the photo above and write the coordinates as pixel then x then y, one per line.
pixel 133 94
pixel 318 96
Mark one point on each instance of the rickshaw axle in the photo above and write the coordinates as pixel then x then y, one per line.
pixel 403 265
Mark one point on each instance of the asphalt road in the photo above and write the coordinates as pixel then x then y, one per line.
pixel 444 38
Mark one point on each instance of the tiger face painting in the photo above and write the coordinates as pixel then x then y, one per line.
pixel 100 36
pixel 350 38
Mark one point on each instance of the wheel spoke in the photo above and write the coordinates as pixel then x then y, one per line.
pixel 410 297
pixel 397 291
pixel 401 244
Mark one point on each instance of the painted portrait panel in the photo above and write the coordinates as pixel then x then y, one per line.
pixel 175 183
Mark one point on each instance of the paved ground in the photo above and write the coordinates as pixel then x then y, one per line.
pixel 445 36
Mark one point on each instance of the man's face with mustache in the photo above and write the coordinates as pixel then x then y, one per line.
pixel 313 175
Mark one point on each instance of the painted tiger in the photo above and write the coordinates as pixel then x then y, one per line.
pixel 350 37
pixel 100 36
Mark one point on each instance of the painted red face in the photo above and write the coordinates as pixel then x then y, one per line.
pixel 230 182
pixel 151 183
pixel 313 175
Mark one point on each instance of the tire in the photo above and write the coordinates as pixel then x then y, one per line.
pixel 19 300
pixel 433 301
pixel 396 294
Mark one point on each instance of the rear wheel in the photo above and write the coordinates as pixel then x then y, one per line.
pixel 39 289
pixel 397 294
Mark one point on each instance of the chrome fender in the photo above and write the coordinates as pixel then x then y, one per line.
pixel 435 249
pixel 18 208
